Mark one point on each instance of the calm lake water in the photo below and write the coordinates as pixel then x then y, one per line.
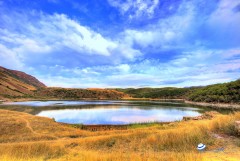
pixel 111 112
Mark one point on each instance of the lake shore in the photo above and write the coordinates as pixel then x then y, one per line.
pixel 41 138
pixel 215 105
pixel 204 104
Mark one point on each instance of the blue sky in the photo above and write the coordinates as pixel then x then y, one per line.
pixel 122 43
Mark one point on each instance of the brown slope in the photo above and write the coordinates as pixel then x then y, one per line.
pixel 26 78
pixel 15 83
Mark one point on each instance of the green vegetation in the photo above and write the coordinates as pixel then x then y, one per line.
pixel 144 124
pixel 218 93
pixel 159 93
pixel 73 93
pixel 163 93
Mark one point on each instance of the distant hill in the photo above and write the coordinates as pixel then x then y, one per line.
pixel 76 93
pixel 161 93
pixel 218 93
pixel 16 83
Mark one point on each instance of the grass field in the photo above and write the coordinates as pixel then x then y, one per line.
pixel 27 137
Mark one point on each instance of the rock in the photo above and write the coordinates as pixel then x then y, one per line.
pixel 237 126
pixel 210 114
pixel 185 118
pixel 206 115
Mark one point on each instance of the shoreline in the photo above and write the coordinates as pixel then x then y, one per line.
pixel 215 105
pixel 203 104
pixel 104 127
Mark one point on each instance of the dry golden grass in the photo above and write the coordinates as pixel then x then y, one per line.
pixel 14 87
pixel 27 137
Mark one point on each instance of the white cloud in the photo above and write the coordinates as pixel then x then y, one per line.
pixel 9 59
pixel 81 38
pixel 136 8
pixel 58 38
pixel 202 67
pixel 60 31
pixel 124 68
pixel 166 33
pixel 223 24
pixel 71 82
pixel 50 34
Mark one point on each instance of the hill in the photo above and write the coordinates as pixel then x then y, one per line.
pixel 218 93
pixel 17 84
pixel 160 93
pixel 76 93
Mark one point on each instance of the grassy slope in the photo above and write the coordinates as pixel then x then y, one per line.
pixel 217 93
pixel 27 137
pixel 17 84
pixel 221 93
pixel 162 93
pixel 73 93
pixel 12 87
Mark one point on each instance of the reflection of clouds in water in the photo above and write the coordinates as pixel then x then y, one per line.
pixel 117 115
pixel 134 119
pixel 155 115
pixel 57 103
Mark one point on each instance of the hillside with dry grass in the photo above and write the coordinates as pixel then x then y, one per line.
pixel 27 137
pixel 17 84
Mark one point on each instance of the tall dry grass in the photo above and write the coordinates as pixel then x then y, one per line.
pixel 175 141
pixel 31 151
pixel 225 124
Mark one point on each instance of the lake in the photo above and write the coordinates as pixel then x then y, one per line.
pixel 110 112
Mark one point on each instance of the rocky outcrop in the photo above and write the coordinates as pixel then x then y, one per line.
pixel 206 115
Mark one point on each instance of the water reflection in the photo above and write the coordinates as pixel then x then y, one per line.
pixel 61 103
pixel 120 114
pixel 106 112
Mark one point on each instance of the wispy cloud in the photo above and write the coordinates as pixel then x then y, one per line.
pixel 189 69
pixel 197 44
pixel 135 8
pixel 165 33
pixel 57 35
pixel 222 25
